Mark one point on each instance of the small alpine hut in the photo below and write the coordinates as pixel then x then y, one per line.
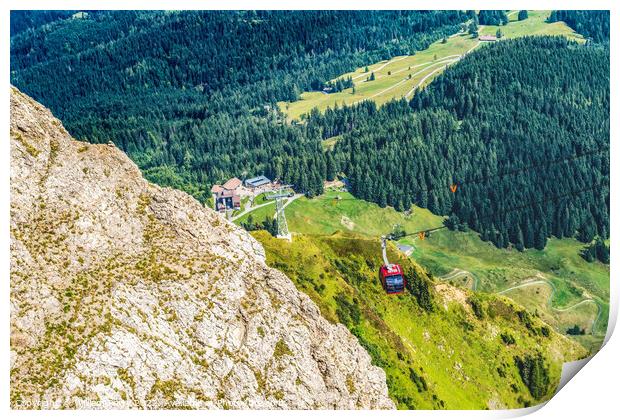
pixel 487 38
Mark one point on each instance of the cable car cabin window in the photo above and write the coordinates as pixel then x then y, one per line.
pixel 394 284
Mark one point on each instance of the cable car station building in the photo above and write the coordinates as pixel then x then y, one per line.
pixel 259 181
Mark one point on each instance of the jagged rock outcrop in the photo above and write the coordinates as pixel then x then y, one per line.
pixel 125 294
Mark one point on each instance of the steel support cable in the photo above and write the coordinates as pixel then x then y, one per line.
pixel 511 209
pixel 482 180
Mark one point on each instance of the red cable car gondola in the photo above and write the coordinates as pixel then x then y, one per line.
pixel 392 277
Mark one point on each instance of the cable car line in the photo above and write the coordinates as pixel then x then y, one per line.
pixel 510 210
pixel 481 180
pixel 530 167
pixel 392 276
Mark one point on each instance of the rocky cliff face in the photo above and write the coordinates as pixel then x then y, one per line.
pixel 124 294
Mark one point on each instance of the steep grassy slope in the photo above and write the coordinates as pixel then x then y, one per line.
pixel 440 346
pixel 567 290
pixel 392 76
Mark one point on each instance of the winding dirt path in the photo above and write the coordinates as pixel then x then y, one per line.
pixel 251 209
pixel 447 60
pixel 433 63
pixel 454 273
pixel 531 281
pixel 440 68
pixel 424 79
pixel 457 272
pixel 538 280
pixel 380 67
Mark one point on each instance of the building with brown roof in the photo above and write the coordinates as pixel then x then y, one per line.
pixel 226 197
pixel 232 184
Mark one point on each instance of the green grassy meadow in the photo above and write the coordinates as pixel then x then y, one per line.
pixel 392 76
pixel 534 25
pixel 328 214
pixel 259 214
pixel 569 278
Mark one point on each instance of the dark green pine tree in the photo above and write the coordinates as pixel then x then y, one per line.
pixel 382 198
pixel 330 167
pixel 540 239
pixel 602 251
pixel 519 244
